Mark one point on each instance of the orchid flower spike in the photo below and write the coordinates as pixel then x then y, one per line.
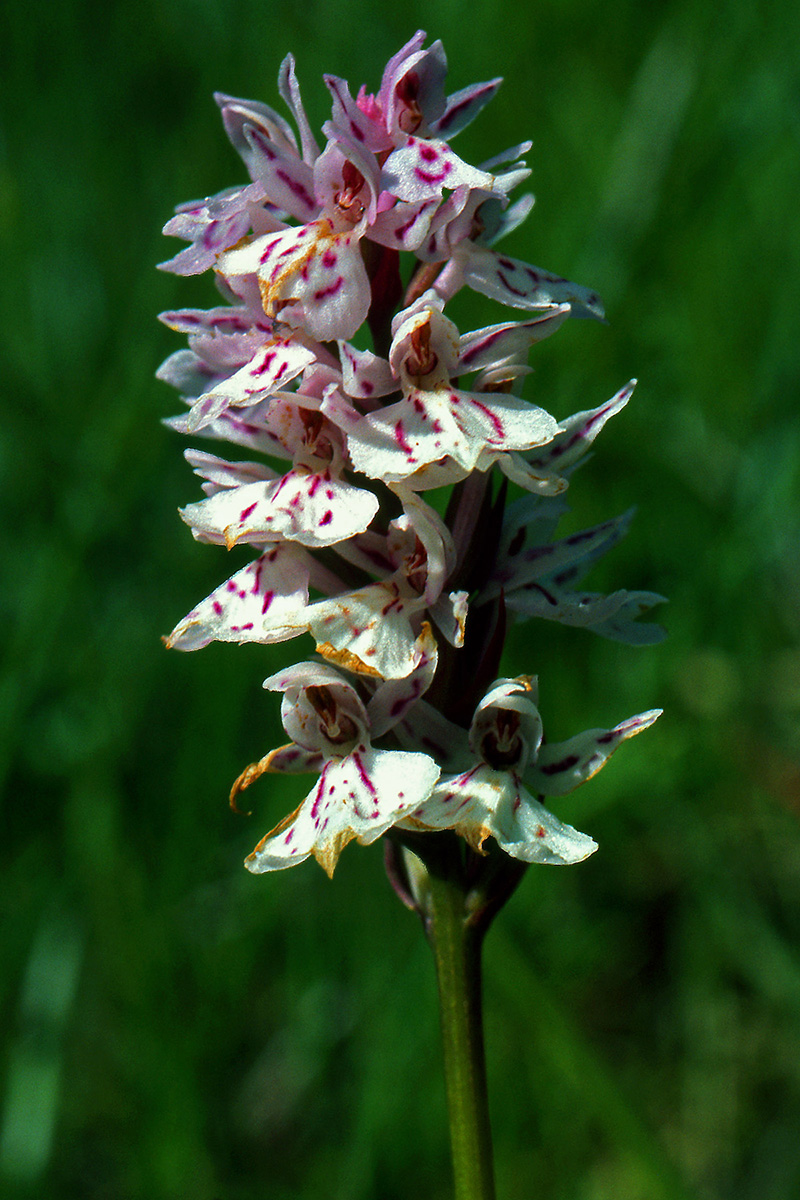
pixel 341 451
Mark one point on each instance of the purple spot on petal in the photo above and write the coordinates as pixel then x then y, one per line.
pixel 297 188
pixel 565 764
pixel 263 367
pixel 514 291
pixel 323 293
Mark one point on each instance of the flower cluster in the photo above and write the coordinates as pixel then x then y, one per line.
pixel 376 231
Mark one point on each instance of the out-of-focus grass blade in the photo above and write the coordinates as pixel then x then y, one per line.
pixel 555 1037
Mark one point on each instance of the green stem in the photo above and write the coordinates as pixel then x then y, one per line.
pixel 457 949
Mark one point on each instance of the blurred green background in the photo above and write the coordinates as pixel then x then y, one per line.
pixel 174 1027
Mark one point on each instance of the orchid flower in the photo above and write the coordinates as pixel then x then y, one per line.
pixel 362 791
pixel 507 765
pixel 373 630
pixel 434 420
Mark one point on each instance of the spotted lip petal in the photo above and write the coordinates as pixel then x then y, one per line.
pixel 274 364
pixel 310 508
pixel 426 426
pixel 317 269
pixel 264 602
pixel 360 796
pixel 483 803
pixel 424 168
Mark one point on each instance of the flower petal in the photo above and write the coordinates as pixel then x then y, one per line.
pixel 521 285
pixel 426 426
pixel 264 602
pixel 613 616
pixel 394 698
pixel 368 631
pixel 563 766
pixel 314 267
pixel 312 509
pixel 359 796
pixel 579 431
pixel 272 366
pixel 289 89
pixel 450 614
pixel 497 344
pixel 561 562
pixel 423 168
pixel 212 225
pixel 483 803
pixel 365 376
pixel 221 474
pixel 404 226
pixel 348 117
pixel 320 710
pixel 463 107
